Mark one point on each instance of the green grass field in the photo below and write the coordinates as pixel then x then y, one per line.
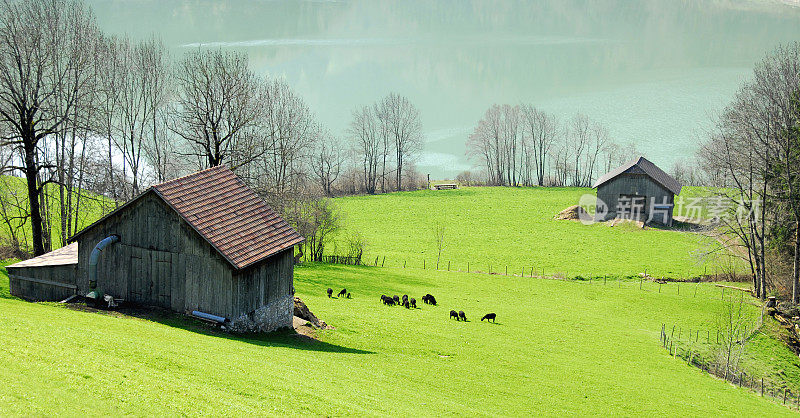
pixel 559 347
pixel 573 347
pixel 14 191
pixel 494 227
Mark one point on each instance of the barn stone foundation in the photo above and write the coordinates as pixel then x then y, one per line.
pixel 268 318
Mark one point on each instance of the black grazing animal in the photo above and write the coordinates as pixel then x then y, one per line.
pixel 405 304
pixel 405 298
pixel 330 292
pixel 383 299
pixel 348 295
pixel 429 299
pixel 453 314
pixel 396 300
pixel 462 316
pixel 342 293
pixel 387 300
pixel 413 303
pixel 489 316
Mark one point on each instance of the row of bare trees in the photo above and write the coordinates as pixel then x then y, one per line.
pixel 755 151
pixel 523 145
pixel 89 120
pixel 386 136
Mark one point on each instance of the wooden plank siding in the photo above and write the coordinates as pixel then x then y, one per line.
pixel 161 258
pixel 632 184
pixel 162 261
pixel 42 291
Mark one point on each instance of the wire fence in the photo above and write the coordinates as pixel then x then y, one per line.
pixel 685 286
pixel 687 350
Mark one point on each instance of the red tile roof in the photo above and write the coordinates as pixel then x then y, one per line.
pixel 227 214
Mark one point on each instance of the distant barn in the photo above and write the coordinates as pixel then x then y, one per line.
pixel 637 190
pixel 204 243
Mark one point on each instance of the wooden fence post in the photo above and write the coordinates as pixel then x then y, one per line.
pixel 404 263
pixel 423 264
pixel 640 283
pixel 467 266
pixel 448 266
pixel 679 289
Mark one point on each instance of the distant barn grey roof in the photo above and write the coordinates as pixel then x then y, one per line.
pixel 226 213
pixel 655 173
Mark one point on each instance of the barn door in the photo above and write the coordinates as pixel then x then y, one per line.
pixel 138 287
pixel 160 273
pixel 149 277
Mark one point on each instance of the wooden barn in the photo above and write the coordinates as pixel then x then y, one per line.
pixel 637 190
pixel 204 243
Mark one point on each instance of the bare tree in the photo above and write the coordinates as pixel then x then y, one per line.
pixel 367 145
pixel 216 103
pixel 579 129
pixel 404 129
pixel 43 75
pixel 756 147
pixel 735 328
pixel 439 232
pixel 286 131
pixel 140 94
pixel 316 219
pixel 327 163
pixel 539 130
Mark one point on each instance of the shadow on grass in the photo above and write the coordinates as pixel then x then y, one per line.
pixel 286 338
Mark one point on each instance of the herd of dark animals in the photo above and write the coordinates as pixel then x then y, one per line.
pixel 408 303
pixel 343 292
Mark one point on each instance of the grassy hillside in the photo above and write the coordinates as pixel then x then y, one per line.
pixel 558 347
pixel 514 227
pixel 15 204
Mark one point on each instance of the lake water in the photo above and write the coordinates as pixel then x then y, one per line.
pixel 655 72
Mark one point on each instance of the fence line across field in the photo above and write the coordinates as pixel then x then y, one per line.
pixel 672 344
pixel 532 271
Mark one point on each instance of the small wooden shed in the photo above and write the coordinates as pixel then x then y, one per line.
pixel 204 242
pixel 637 190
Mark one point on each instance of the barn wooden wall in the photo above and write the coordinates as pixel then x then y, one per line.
pixel 160 260
pixel 632 184
pixel 264 283
pixel 44 282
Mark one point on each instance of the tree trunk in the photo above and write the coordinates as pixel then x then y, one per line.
pixel 31 174
pixel 795 271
